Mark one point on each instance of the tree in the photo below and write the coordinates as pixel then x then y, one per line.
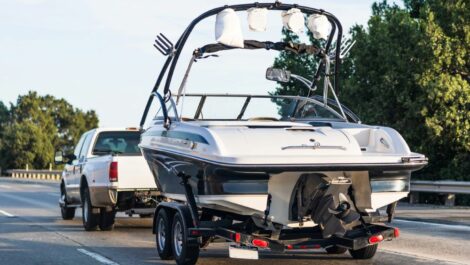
pixel 446 82
pixel 37 126
pixel 26 143
pixel 4 117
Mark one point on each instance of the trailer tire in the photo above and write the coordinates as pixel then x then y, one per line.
pixel 107 219
pixel 185 252
pixel 364 253
pixel 90 219
pixel 163 235
pixel 336 250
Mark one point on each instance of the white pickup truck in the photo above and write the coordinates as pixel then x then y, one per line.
pixel 106 173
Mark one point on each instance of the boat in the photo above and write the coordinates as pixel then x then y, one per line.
pixel 311 163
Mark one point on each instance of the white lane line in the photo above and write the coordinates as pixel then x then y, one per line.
pixel 97 257
pixel 447 226
pixel 7 214
pixel 5 186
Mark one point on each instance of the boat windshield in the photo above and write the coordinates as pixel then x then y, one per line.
pixel 254 107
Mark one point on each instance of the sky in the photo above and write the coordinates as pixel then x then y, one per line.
pixel 99 55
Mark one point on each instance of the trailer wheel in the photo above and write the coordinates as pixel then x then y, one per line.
pixel 163 235
pixel 90 219
pixel 364 253
pixel 107 219
pixel 336 250
pixel 185 253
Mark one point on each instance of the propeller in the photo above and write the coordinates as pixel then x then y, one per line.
pixel 343 211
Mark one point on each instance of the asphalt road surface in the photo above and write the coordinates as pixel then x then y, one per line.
pixel 32 232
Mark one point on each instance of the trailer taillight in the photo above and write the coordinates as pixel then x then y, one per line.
pixel 113 171
pixel 238 237
pixel 260 243
pixel 375 239
pixel 396 232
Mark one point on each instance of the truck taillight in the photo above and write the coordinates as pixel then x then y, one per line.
pixel 113 171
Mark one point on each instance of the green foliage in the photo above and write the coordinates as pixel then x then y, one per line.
pixel 39 125
pixel 446 84
pixel 26 143
pixel 409 70
pixel 4 116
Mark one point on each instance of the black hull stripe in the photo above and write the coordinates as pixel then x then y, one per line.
pixel 415 165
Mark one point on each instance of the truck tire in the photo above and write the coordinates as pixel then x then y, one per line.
pixel 90 219
pixel 364 253
pixel 107 219
pixel 336 250
pixel 68 213
pixel 163 235
pixel 184 252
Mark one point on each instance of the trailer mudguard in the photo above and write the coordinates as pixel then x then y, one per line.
pixel 174 207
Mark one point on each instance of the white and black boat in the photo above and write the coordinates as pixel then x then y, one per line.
pixel 309 165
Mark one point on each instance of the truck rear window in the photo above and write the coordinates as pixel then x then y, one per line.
pixel 119 142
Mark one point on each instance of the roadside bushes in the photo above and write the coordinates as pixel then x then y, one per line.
pixel 33 128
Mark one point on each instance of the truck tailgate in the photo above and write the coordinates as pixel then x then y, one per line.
pixel 134 173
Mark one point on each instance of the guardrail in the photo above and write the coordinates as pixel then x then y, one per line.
pixel 447 187
pixel 35 174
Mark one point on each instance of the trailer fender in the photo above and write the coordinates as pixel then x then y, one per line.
pixel 172 208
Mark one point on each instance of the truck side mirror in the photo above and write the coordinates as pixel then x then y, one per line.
pixel 59 158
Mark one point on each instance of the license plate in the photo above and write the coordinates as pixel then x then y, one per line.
pixel 238 252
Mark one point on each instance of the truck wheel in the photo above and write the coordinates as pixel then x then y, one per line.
pixel 163 235
pixel 184 252
pixel 68 213
pixel 364 253
pixel 90 219
pixel 336 250
pixel 107 219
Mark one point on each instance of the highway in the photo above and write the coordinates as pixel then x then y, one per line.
pixel 32 232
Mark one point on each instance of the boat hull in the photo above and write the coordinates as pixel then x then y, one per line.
pixel 243 189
